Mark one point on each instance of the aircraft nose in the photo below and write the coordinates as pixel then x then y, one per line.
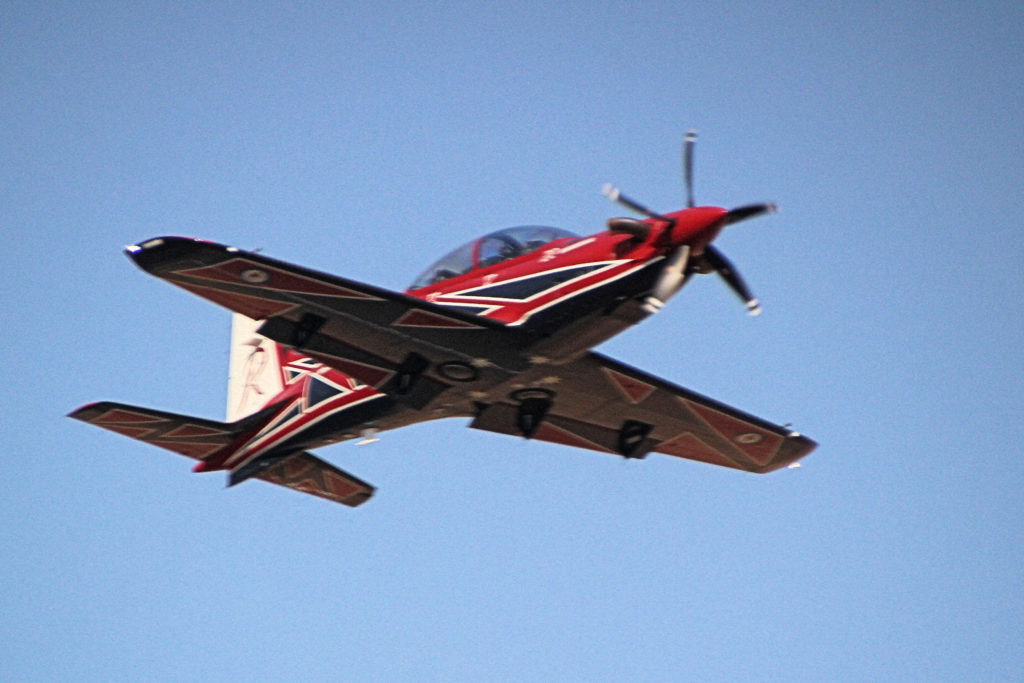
pixel 698 226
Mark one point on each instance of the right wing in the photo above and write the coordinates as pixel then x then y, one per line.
pixel 607 406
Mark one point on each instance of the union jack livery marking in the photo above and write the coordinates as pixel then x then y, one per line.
pixel 529 287
pixel 362 373
pixel 559 295
pixel 516 300
pixel 292 420
pixel 298 367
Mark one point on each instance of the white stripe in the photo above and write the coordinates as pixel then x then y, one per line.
pixel 260 441
pixel 559 300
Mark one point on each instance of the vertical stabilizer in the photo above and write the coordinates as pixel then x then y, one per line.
pixel 254 372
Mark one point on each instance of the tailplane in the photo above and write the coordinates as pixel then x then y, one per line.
pixel 193 437
pixel 200 439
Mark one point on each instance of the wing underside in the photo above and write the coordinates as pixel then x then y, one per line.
pixel 192 437
pixel 607 406
pixel 364 331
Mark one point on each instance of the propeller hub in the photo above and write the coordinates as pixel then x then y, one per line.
pixel 696 227
pixel 687 236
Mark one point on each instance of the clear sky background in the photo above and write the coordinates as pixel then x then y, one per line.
pixel 367 140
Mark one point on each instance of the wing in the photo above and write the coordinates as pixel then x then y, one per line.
pixel 608 406
pixel 367 332
pixel 197 438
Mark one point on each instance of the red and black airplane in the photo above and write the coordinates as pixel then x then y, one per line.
pixel 499 331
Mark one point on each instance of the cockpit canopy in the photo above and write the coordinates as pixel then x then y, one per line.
pixel 490 249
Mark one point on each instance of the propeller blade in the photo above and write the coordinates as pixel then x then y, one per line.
pixel 688 144
pixel 615 195
pixel 671 279
pixel 744 212
pixel 727 270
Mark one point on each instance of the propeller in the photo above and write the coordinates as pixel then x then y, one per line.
pixel 670 281
pixel 742 213
pixel 724 267
pixel 688 144
pixel 613 193
pixel 678 266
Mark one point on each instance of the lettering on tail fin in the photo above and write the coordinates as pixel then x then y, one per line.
pixel 254 372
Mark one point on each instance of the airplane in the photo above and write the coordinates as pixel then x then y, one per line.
pixel 499 331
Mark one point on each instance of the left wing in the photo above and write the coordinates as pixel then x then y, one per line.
pixel 372 334
pixel 601 404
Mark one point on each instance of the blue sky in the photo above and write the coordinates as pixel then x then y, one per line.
pixel 367 142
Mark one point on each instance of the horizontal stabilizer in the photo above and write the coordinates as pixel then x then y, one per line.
pixel 309 474
pixel 251 468
pixel 192 437
pixel 197 438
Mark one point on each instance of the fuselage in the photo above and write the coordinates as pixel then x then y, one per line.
pixel 499 330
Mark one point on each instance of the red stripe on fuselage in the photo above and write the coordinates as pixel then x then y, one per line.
pixel 279 428
pixel 517 311
pixel 263 442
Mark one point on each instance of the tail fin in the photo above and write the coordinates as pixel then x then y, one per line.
pixel 254 371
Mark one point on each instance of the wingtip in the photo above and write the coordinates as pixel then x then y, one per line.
pixel 82 412
pixel 132 249
pixel 357 499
